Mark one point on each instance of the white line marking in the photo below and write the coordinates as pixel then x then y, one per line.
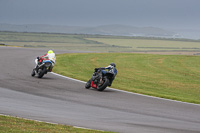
pixel 68 77
pixel 128 92
pixel 88 128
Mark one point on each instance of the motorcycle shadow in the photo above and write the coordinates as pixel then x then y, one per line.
pixel 106 90
pixel 44 78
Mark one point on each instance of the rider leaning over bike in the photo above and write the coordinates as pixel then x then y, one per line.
pixel 49 56
pixel 111 68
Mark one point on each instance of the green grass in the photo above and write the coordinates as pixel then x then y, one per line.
pixel 17 125
pixel 168 76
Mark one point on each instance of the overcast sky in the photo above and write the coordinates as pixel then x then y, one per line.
pixel 156 13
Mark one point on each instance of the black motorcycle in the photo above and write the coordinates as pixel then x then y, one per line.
pixel 42 69
pixel 100 79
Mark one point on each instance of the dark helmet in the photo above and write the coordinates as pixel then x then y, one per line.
pixel 113 64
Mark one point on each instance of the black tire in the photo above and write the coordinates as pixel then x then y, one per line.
pixel 41 73
pixel 33 73
pixel 88 85
pixel 104 85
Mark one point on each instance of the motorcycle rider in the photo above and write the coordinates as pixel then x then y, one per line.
pixel 49 56
pixel 111 68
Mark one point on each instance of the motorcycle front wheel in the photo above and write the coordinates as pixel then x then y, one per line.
pixel 41 72
pixel 33 73
pixel 88 84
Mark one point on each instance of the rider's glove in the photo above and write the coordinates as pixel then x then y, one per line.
pixel 96 69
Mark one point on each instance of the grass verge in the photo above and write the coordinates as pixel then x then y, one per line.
pixel 17 125
pixel 174 77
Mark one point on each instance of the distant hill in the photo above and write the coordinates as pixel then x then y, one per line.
pixel 103 30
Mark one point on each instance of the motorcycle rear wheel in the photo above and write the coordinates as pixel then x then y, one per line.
pixel 104 85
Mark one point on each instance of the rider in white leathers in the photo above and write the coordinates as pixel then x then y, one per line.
pixel 49 56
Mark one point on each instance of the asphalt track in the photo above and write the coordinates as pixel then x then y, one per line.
pixel 59 100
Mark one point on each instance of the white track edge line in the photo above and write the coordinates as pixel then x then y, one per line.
pixel 128 92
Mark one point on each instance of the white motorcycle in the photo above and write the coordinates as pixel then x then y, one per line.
pixel 43 67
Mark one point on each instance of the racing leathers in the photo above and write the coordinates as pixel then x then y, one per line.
pixel 48 56
pixel 113 70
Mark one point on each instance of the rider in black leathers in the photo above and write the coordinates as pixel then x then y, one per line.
pixel 111 68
